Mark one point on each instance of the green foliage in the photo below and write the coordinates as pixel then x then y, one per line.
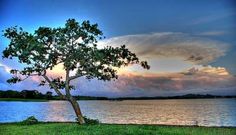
pixel 29 121
pixel 109 129
pixel 49 95
pixel 90 121
pixel 74 46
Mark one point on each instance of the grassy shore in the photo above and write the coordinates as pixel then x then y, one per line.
pixel 109 129
pixel 23 100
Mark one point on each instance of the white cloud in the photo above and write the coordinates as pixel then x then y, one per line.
pixel 171 52
pixel 168 44
pixel 207 70
pixel 212 33
pixel 201 82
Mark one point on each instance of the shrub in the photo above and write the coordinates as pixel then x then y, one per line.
pixel 30 120
pixel 90 121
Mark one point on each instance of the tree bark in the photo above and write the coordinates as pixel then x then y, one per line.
pixel 68 97
pixel 77 110
pixel 73 101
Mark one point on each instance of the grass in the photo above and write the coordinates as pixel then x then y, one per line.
pixel 23 100
pixel 108 129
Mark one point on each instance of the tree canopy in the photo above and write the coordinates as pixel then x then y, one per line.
pixel 74 46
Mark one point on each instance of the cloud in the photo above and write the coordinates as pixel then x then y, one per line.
pixel 176 61
pixel 28 84
pixel 3 77
pixel 209 70
pixel 5 68
pixel 202 80
pixel 212 33
pixel 191 48
pixel 159 85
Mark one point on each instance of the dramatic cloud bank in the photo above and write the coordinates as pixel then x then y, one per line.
pixel 191 48
pixel 200 81
pixel 179 65
pixel 176 61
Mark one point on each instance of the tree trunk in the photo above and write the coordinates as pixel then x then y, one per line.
pixel 77 110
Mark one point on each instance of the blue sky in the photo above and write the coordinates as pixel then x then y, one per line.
pixel 150 25
pixel 116 16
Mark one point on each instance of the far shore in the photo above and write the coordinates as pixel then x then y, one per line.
pixel 47 100
pixel 110 99
pixel 24 99
pixel 34 95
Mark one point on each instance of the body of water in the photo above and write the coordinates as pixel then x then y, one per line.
pixel 203 112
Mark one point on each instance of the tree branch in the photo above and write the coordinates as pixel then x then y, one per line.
pixel 67 83
pixel 74 77
pixel 27 76
pixel 54 87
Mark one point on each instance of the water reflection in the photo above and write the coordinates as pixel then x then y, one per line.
pixel 203 112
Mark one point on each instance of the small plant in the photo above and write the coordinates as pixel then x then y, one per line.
pixel 90 121
pixel 30 120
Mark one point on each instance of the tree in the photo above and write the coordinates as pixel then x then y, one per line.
pixel 32 94
pixel 48 95
pixel 74 46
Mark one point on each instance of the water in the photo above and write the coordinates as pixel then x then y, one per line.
pixel 203 112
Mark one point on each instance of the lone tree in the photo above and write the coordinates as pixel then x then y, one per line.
pixel 75 47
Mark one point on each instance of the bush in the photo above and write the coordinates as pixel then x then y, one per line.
pixel 30 120
pixel 90 121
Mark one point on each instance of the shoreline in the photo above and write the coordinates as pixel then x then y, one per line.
pixel 112 100
pixel 23 100
pixel 162 125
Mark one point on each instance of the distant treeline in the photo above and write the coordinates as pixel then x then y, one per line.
pixel 187 96
pixel 34 94
pixel 25 94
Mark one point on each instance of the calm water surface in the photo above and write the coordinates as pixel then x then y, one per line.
pixel 204 112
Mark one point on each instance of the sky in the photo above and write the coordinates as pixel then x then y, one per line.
pixel 190 45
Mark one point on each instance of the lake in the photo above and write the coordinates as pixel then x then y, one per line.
pixel 203 112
